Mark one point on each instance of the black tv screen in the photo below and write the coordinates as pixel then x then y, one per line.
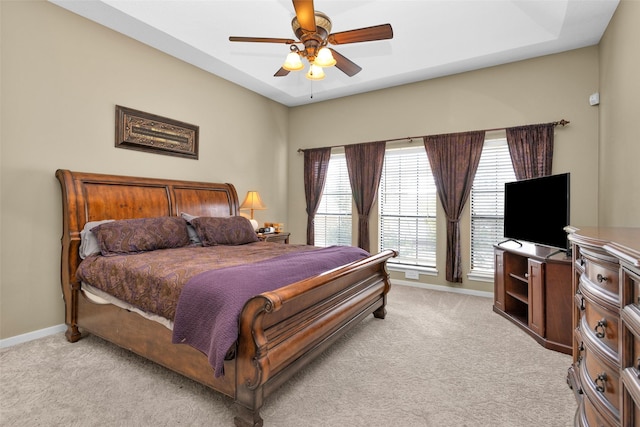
pixel 537 210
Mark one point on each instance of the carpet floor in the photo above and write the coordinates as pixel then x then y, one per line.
pixel 439 359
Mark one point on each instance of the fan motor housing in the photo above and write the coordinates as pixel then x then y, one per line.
pixel 313 41
pixel 323 26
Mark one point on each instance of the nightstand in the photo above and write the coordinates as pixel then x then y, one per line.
pixel 282 237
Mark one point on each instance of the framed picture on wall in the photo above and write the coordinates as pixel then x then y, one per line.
pixel 137 130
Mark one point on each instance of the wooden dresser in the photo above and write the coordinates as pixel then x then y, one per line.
pixel 605 374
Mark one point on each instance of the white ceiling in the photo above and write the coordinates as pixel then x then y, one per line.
pixel 432 38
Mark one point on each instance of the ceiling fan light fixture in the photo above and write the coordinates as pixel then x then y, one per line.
pixel 313 30
pixel 293 62
pixel 315 73
pixel 324 58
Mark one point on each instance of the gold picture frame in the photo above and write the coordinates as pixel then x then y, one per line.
pixel 137 130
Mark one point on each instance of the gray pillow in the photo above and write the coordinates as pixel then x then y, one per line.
pixel 193 236
pixel 88 243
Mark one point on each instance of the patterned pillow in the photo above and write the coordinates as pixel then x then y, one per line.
pixel 130 236
pixel 235 230
pixel 88 243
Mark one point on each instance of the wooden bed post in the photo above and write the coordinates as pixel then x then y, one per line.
pixel 70 242
pixel 381 313
pixel 246 417
pixel 252 368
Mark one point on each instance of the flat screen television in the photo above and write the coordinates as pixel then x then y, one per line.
pixel 537 210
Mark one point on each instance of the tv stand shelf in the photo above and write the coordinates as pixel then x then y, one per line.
pixel 522 278
pixel 532 288
pixel 521 296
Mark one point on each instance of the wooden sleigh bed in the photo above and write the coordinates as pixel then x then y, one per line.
pixel 279 331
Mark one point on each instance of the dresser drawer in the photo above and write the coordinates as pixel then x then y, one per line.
pixel 634 281
pixel 631 384
pixel 630 317
pixel 592 418
pixel 602 327
pixel 601 383
pixel 602 273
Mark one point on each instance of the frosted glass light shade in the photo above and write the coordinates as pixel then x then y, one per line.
pixel 293 62
pixel 324 58
pixel 315 73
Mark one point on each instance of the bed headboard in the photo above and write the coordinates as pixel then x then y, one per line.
pixel 92 197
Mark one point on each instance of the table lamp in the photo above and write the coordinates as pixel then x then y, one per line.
pixel 253 202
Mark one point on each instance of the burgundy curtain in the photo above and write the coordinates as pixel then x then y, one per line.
pixel 454 160
pixel 364 163
pixel 316 163
pixel 531 150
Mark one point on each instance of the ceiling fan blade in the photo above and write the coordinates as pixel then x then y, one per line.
pixel 305 14
pixel 377 32
pixel 345 65
pixel 261 40
pixel 281 72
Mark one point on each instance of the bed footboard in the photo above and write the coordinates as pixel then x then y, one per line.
pixel 283 330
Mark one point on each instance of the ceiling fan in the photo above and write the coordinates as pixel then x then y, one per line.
pixel 313 29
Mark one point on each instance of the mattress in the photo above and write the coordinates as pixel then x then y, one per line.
pixel 151 282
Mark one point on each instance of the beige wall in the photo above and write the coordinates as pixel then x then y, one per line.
pixel 534 91
pixel 620 118
pixel 62 76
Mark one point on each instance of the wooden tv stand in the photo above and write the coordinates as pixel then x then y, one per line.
pixel 532 288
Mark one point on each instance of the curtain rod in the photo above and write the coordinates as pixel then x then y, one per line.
pixel 562 122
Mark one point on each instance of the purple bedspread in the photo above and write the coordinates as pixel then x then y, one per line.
pixel 209 306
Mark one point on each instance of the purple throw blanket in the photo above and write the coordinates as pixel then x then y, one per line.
pixel 209 306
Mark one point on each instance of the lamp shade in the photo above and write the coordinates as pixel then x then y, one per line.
pixel 252 202
pixel 293 62
pixel 315 73
pixel 324 58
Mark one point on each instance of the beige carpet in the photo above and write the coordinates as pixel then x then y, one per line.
pixel 438 359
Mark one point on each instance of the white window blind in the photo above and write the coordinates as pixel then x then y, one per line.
pixel 407 204
pixel 487 203
pixel 333 219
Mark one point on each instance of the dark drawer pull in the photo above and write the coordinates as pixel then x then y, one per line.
pixel 638 366
pixel 581 304
pixel 601 278
pixel 602 379
pixel 602 325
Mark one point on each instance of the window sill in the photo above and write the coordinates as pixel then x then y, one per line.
pixel 415 269
pixel 481 276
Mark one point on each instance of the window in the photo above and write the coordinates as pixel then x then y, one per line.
pixel 333 220
pixel 487 203
pixel 407 203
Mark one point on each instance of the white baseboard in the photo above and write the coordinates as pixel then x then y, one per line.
pixel 443 288
pixel 30 336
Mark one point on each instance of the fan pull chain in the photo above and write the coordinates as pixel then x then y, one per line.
pixel 311 83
